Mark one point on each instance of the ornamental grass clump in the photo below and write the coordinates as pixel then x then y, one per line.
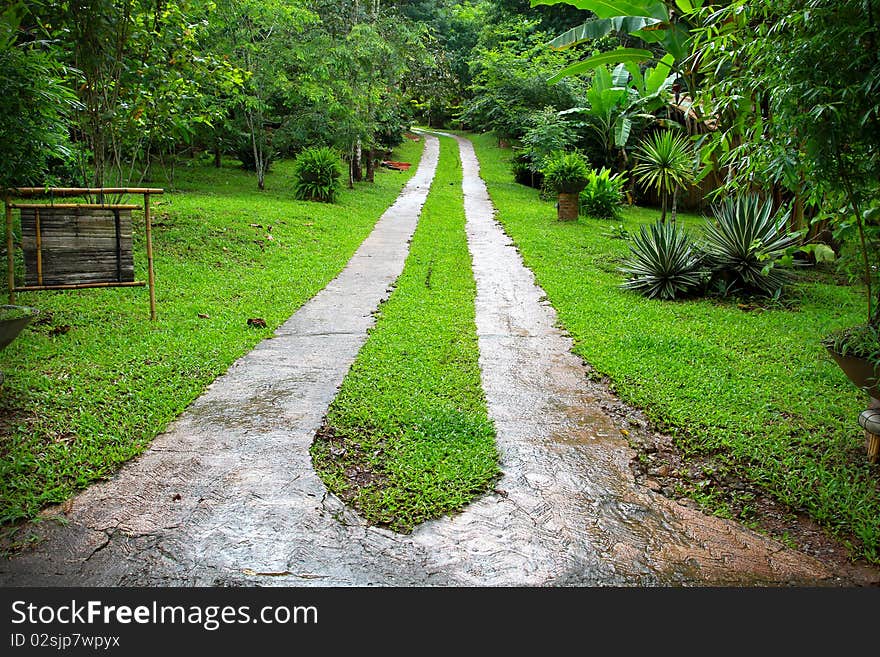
pixel 317 174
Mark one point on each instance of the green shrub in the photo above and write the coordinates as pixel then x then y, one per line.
pixel 745 244
pixel 603 195
pixel 317 174
pixel 525 172
pixel 565 172
pixel 548 133
pixel 663 262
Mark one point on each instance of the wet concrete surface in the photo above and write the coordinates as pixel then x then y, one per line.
pixel 227 495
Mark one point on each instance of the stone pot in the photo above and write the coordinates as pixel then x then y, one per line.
pixel 10 328
pixel 862 373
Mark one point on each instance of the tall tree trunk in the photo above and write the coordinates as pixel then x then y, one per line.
pixel 371 168
pixel 663 207
pixel 356 162
pixel 255 125
pixel 797 213
pixel 218 154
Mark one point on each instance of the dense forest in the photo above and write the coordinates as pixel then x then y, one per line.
pixel 98 92
pixel 770 94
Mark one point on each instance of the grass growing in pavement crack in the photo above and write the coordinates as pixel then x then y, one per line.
pixel 92 380
pixel 408 437
pixel 750 386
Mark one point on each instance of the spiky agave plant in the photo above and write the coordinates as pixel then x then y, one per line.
pixel 745 242
pixel 662 262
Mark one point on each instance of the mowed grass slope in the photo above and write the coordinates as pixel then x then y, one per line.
pixel 93 381
pixel 751 385
pixel 408 436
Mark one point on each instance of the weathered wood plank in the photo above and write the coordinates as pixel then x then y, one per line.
pixel 78 246
pixel 78 206
pixel 79 191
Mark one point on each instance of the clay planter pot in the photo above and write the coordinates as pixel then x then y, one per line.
pixel 862 373
pixel 568 203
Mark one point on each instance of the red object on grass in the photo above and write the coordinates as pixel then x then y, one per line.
pixel 397 166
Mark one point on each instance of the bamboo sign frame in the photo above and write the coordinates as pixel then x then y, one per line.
pixel 34 209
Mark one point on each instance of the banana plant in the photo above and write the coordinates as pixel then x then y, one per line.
pixel 649 20
pixel 620 99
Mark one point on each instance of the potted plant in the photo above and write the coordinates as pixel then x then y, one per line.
pixel 13 319
pixel 856 350
pixel 566 174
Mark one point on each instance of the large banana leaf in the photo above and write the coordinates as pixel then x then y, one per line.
pixel 605 101
pixel 602 79
pixel 620 76
pixel 599 27
pixel 659 76
pixel 621 131
pixel 612 8
pixel 611 57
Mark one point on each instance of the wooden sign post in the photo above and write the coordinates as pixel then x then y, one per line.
pixel 70 246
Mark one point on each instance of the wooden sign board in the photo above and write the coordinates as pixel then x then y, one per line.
pixel 76 246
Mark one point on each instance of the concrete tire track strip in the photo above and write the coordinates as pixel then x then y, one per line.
pixel 227 495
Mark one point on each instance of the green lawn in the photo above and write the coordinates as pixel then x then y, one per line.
pixel 751 385
pixel 93 381
pixel 408 437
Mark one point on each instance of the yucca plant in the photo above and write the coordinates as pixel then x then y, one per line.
pixel 665 162
pixel 317 175
pixel 663 262
pixel 745 243
pixel 603 194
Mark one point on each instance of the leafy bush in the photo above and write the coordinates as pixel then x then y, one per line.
pixel 547 133
pixel 35 106
pixel 510 68
pixel 603 195
pixel 663 262
pixel 317 174
pixel 391 127
pixel 526 172
pixel 565 172
pixel 745 245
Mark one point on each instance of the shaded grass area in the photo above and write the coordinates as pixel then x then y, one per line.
pixel 92 381
pixel 408 436
pixel 746 383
